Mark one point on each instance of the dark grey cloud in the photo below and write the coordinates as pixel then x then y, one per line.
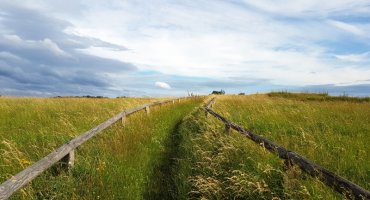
pixel 34 25
pixel 30 24
pixel 38 56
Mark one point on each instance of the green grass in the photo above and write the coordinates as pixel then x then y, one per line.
pixel 217 165
pixel 119 163
pixel 30 128
pixel 172 154
pixel 333 134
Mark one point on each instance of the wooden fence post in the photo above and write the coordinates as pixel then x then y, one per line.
pixel 71 159
pixel 65 164
pixel 227 128
pixel 173 101
pixel 288 163
pixel 147 110
pixel 123 120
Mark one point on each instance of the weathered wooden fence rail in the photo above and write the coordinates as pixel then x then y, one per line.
pixel 339 183
pixel 66 152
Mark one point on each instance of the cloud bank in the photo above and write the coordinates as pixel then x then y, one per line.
pixel 121 47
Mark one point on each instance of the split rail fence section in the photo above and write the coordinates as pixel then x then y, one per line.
pixel 65 154
pixel 339 183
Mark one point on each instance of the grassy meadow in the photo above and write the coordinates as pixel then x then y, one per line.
pixel 213 164
pixel 30 128
pixel 331 131
pixel 178 153
pixel 119 163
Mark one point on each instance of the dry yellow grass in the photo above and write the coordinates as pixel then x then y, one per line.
pixel 331 133
pixel 118 163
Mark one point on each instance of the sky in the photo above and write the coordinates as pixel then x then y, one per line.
pixel 172 48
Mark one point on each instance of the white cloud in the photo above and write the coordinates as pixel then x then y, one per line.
pixel 7 55
pixel 363 57
pixel 347 27
pixel 53 47
pixel 13 38
pixel 316 8
pixel 45 44
pixel 358 82
pixel 162 85
pixel 227 40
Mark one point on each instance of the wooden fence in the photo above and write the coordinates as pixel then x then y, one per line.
pixel 339 183
pixel 65 153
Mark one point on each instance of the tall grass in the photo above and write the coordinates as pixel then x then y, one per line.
pixel 333 134
pixel 214 164
pixel 117 164
pixel 30 128
pixel 172 154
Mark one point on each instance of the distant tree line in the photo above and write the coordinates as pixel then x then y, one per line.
pixel 86 96
pixel 218 92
